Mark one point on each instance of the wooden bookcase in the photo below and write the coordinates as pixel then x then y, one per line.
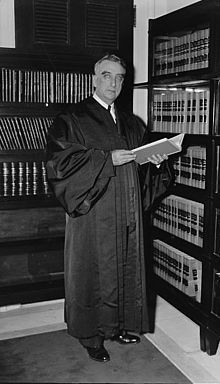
pixel 184 74
pixel 57 44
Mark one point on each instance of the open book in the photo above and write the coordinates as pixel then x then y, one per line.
pixel 161 147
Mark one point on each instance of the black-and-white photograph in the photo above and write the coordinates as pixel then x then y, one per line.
pixel 110 191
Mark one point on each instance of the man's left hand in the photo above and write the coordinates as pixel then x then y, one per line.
pixel 157 159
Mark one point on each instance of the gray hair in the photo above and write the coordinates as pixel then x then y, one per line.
pixel 110 57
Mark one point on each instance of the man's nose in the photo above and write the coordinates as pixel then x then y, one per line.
pixel 113 81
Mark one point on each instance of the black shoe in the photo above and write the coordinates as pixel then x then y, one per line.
pixel 126 338
pixel 99 354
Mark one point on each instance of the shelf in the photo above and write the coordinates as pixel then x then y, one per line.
pixel 21 202
pixel 143 85
pixel 194 139
pixel 182 78
pixel 41 279
pixel 188 192
pixel 29 109
pixel 33 292
pixel 38 243
pixel 177 242
pixel 23 154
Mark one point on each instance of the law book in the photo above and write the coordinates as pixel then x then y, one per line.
pixel 162 146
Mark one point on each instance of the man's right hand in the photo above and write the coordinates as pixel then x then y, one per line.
pixel 122 156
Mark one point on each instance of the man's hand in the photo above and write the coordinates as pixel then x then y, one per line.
pixel 157 159
pixel 122 156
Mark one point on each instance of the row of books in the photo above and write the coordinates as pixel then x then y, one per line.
pixel 46 87
pixel 23 178
pixel 181 217
pixel 187 52
pixel 24 132
pixel 190 168
pixel 216 294
pixel 177 268
pixel 179 110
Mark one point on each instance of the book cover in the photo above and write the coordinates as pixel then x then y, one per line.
pixel 162 146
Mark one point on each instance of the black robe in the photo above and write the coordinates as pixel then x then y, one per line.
pixel 104 254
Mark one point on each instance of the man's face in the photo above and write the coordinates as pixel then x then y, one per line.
pixel 108 80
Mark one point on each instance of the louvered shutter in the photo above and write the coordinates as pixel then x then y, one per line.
pixel 51 21
pixel 102 24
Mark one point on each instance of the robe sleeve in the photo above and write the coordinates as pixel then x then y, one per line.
pixel 78 176
pixel 155 183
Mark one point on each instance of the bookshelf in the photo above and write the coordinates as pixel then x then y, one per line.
pixel 183 87
pixel 40 76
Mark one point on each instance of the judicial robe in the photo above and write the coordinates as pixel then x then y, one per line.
pixel 104 254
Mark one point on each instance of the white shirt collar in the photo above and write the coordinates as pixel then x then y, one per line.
pixel 103 104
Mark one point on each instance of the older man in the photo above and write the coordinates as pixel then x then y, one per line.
pixel 96 179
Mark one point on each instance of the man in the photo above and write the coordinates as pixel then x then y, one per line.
pixel 95 177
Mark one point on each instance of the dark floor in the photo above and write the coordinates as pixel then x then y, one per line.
pixel 55 357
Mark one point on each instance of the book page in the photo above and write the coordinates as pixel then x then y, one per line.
pixel 162 146
pixel 178 140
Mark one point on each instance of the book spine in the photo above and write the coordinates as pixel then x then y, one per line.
pixel 187 52
pixel 189 218
pixel 178 269
pixel 38 86
pixel 23 178
pixel 190 168
pixel 181 111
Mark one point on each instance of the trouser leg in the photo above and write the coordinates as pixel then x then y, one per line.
pixel 92 342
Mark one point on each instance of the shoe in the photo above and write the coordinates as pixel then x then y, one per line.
pixel 126 338
pixel 99 354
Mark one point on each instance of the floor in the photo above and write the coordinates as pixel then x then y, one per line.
pixel 175 336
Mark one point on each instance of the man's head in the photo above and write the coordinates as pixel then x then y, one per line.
pixel 108 78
